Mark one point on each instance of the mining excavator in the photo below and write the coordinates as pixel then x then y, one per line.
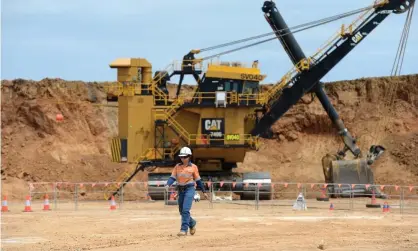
pixel 227 113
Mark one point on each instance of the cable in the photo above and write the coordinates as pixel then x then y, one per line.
pixel 397 56
pixel 276 31
pixel 407 35
pixel 324 20
pixel 239 48
pixel 314 24
pixel 396 69
pixel 400 54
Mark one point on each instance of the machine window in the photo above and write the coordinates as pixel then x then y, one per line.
pixel 250 87
pixel 220 87
pixel 227 86
pixel 231 85
pixel 236 86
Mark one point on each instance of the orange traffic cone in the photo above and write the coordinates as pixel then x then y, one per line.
pixel 112 203
pixel 28 207
pixel 172 198
pixel 173 195
pixel 373 203
pixel 4 207
pixel 385 207
pixel 323 195
pixel 46 203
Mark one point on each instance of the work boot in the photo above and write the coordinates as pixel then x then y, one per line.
pixel 193 230
pixel 182 233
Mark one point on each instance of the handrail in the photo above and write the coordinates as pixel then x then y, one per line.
pixel 183 132
pixel 171 121
pixel 121 178
pixel 337 35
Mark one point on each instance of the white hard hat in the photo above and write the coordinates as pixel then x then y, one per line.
pixel 185 151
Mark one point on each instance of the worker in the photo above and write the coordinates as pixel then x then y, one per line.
pixel 186 174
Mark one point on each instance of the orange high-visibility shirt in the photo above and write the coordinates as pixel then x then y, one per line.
pixel 185 175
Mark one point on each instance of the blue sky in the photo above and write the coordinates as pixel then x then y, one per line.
pixel 77 39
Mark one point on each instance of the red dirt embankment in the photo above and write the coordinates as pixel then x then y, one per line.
pixel 35 147
pixel 380 111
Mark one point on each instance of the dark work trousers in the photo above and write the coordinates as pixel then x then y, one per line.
pixel 185 200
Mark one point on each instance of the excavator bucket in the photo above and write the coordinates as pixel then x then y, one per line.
pixel 351 172
pixel 355 178
pixel 343 174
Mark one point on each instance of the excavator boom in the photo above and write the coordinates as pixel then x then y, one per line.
pixel 296 55
pixel 308 80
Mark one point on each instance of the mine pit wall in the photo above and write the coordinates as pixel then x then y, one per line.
pixel 37 148
pixel 376 111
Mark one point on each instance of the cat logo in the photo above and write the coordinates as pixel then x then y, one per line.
pixel 215 128
pixel 356 38
pixel 213 124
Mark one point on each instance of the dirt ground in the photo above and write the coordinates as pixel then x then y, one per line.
pixel 37 148
pixel 153 226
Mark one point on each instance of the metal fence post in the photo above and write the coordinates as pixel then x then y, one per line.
pixel 121 196
pixel 211 196
pixel 76 196
pixel 401 200
pixel 273 191
pixel 165 197
pixel 303 190
pixel 55 196
pixel 257 194
pixel 30 191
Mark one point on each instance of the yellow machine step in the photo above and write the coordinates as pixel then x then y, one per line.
pixel 115 147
